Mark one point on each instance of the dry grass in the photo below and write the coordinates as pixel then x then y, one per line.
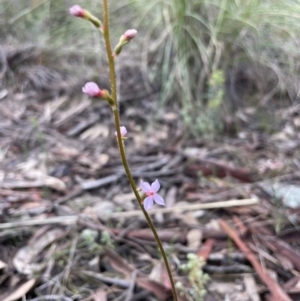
pixel 181 45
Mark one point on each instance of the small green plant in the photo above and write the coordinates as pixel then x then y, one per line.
pixel 89 239
pixel 209 120
pixel 106 240
pixel 196 277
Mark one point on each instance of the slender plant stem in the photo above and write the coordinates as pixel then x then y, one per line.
pixel 115 108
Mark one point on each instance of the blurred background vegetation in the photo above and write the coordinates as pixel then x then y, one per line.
pixel 209 59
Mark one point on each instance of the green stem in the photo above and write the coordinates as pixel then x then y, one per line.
pixel 112 73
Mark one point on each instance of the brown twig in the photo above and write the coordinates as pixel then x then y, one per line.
pixel 189 207
pixel 278 293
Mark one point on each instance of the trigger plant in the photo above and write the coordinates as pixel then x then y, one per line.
pixel 149 193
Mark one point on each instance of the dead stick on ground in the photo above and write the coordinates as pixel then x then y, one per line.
pixel 190 207
pixel 71 219
pixel 64 220
pixel 278 293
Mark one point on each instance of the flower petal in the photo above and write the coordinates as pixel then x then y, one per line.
pixel 130 34
pixel 77 11
pixel 145 187
pixel 159 200
pixel 155 186
pixel 91 89
pixel 148 203
pixel 123 131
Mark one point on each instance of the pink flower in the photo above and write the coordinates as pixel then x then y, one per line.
pixel 123 131
pixel 93 90
pixel 129 34
pixel 77 11
pixel 152 196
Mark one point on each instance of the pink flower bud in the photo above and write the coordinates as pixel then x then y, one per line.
pixel 93 90
pixel 77 11
pixel 129 34
pixel 123 131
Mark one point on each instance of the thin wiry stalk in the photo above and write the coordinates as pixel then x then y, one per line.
pixel 111 63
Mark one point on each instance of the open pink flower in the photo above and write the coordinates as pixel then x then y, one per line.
pixel 152 196
pixel 123 131
pixel 77 11
pixel 93 90
pixel 129 34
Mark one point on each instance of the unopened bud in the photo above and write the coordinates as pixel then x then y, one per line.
pixel 124 39
pixel 123 131
pixel 129 34
pixel 93 90
pixel 77 11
